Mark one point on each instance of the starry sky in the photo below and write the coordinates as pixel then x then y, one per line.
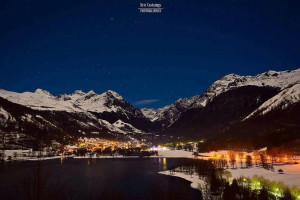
pixel 151 59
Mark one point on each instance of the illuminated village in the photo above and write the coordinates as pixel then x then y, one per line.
pixel 95 147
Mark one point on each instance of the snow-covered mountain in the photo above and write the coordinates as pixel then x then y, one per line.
pixel 44 125
pixel 228 107
pixel 229 100
pixel 78 101
pixel 108 106
pixel 270 78
pixel 244 109
pixel 39 100
pixel 169 114
pixel 26 126
pixel 92 101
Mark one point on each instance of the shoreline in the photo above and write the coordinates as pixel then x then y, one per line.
pixel 162 154
pixel 195 181
pixel 37 159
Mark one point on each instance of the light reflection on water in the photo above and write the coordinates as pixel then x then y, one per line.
pixel 61 160
pixel 164 163
pixel 97 176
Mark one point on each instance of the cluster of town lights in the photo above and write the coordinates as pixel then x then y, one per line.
pixel 92 144
pixel 244 156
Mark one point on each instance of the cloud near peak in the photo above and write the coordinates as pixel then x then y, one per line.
pixel 145 102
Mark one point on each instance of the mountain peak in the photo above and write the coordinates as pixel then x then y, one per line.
pixel 41 91
pixel 114 94
pixel 272 71
pixel 91 92
pixel 230 76
pixel 80 92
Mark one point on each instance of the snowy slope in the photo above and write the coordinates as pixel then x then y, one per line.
pixel 5 116
pixel 126 127
pixel 150 113
pixel 282 100
pixel 168 114
pixel 98 102
pixel 91 101
pixel 121 127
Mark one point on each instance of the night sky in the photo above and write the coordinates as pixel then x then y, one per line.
pixel 150 59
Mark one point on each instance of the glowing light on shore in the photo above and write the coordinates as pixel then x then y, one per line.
pixel 158 148
pixel 164 164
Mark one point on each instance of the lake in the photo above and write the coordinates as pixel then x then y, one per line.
pixel 127 178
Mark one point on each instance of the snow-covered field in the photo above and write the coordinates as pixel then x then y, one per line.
pixel 24 155
pixel 161 154
pixel 117 156
pixel 291 176
pixel 194 179
pixel 39 159
pixel 47 158
pixel 175 154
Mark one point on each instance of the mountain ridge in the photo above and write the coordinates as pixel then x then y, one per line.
pixel 209 113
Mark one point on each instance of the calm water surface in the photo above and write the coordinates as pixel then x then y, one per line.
pixel 129 178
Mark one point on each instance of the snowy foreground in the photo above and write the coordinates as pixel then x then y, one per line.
pixel 291 176
pixel 175 154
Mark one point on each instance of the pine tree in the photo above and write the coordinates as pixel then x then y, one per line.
pixel 227 194
pixel 215 183
pixel 287 195
pixel 263 194
pixel 235 189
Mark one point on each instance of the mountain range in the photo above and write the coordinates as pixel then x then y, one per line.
pixel 233 109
